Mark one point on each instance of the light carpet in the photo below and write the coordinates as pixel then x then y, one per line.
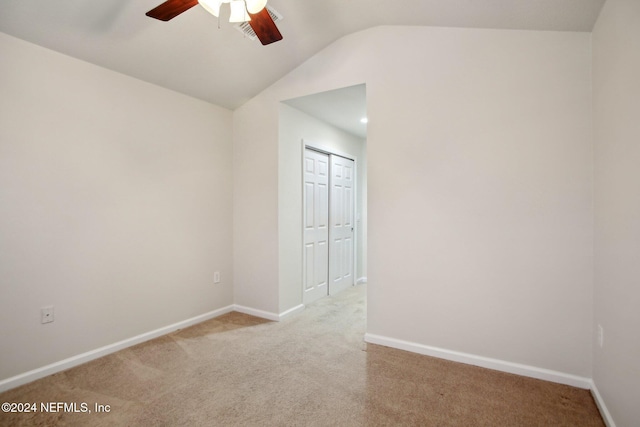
pixel 312 369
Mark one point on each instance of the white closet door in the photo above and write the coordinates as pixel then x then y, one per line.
pixel 341 232
pixel 316 225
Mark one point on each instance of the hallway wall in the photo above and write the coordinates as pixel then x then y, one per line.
pixel 616 92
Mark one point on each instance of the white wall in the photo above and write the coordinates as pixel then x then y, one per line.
pixel 294 127
pixel 616 87
pixel 480 206
pixel 115 206
pixel 255 207
pixel 479 192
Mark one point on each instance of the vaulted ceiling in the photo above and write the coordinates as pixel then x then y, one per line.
pixel 190 54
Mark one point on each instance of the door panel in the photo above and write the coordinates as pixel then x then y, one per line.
pixel 316 225
pixel 342 231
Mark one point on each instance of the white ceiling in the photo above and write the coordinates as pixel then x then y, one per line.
pixel 343 108
pixel 191 55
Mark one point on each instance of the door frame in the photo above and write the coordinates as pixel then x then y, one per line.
pixel 306 144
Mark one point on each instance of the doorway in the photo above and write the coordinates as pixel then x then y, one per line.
pixel 329 231
pixel 330 122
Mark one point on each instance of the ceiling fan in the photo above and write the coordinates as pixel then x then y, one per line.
pixel 253 11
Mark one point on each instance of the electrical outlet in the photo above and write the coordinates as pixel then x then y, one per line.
pixel 216 277
pixel 600 336
pixel 46 314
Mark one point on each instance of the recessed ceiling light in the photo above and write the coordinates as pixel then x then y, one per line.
pixel 364 120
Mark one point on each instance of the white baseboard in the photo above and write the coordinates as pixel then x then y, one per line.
pixel 361 280
pixel 258 313
pixel 267 314
pixel 293 310
pixel 485 362
pixel 606 416
pixel 79 359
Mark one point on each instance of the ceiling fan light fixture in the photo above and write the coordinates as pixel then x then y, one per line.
pixel 255 6
pixel 212 6
pixel 262 23
pixel 238 11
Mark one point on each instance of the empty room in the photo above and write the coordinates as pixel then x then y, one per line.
pixel 320 213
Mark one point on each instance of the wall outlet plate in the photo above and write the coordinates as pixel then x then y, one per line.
pixel 46 314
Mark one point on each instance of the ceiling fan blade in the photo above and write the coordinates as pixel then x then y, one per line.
pixel 264 27
pixel 170 9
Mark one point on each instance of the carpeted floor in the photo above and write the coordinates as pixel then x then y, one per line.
pixel 312 369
